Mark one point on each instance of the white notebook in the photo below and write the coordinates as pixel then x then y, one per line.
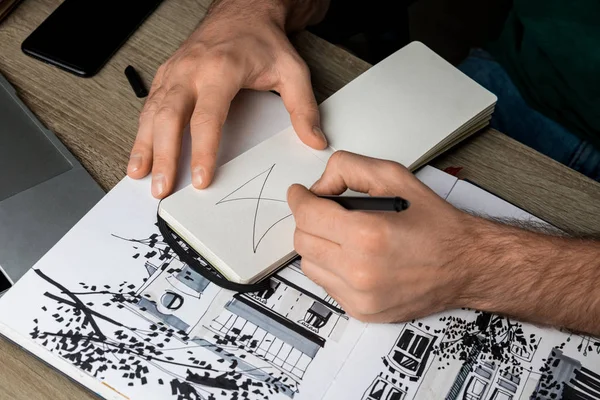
pixel 408 108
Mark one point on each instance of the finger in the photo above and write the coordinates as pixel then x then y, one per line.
pixel 169 121
pixel 298 97
pixel 399 314
pixel 376 177
pixel 322 277
pixel 206 127
pixel 319 217
pixel 321 252
pixel 140 158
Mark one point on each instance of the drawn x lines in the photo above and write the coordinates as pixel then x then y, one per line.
pixel 264 176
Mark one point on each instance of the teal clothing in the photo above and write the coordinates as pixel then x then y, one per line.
pixel 551 51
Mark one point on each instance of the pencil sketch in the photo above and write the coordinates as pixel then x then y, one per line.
pixel 252 190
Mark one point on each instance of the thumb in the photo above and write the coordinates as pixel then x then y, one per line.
pixel 299 100
pixel 362 174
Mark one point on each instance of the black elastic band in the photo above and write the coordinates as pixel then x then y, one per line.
pixel 208 272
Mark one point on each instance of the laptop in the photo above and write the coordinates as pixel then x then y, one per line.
pixel 44 190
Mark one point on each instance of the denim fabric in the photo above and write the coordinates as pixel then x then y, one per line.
pixel 513 117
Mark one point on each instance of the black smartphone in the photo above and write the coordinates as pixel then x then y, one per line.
pixel 80 36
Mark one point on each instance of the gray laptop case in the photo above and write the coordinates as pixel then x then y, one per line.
pixel 44 190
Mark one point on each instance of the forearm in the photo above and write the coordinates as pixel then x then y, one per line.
pixel 290 15
pixel 536 277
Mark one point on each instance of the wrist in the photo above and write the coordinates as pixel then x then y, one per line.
pixel 288 15
pixel 498 273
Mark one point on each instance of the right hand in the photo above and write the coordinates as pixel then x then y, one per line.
pixel 231 50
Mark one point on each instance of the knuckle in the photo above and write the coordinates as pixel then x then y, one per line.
pixel 296 65
pixel 203 118
pixel 390 168
pixel 336 158
pixel 293 67
pixel 308 110
pixel 301 215
pixel 371 237
pixel 221 59
pixel 165 113
pixel 206 155
pixel 162 68
pixel 162 160
pixel 148 111
pixel 363 279
pixel 186 64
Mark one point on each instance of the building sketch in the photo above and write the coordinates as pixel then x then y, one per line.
pixel 410 353
pixel 382 389
pixel 190 339
pixel 483 378
pixel 404 364
pixel 280 329
pixel 487 381
pixel 567 379
pixel 284 325
pixel 176 295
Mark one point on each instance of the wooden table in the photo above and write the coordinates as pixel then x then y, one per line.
pixel 96 118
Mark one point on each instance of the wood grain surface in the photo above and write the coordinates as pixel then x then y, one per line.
pixel 97 119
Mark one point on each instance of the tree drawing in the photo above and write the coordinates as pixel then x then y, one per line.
pixel 494 337
pixel 587 344
pixel 97 342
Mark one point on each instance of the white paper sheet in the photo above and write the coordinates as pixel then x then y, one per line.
pixel 111 307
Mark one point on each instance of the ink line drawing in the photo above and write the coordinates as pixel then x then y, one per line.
pixel 258 199
pixel 564 378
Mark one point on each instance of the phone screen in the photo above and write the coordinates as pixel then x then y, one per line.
pixel 81 35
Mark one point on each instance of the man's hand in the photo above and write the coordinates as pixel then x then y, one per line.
pixel 379 266
pixel 391 267
pixel 241 44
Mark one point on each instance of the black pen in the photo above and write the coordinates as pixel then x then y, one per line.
pixel 135 80
pixel 369 203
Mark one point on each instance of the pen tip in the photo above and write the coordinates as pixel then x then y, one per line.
pixel 401 204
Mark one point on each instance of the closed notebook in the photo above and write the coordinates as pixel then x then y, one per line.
pixel 408 108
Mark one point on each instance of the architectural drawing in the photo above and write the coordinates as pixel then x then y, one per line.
pixel 495 356
pixel 404 364
pixel 410 353
pixel 382 389
pixel 252 191
pixel 198 341
pixel 566 378
pixel 265 340
pixel 481 378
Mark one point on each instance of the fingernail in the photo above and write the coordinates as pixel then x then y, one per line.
pixel 158 184
pixel 135 162
pixel 198 176
pixel 319 133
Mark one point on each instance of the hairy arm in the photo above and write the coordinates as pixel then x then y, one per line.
pixel 535 276
pixel 290 15
pixel 392 267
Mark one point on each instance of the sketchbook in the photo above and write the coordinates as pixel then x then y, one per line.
pixel 113 308
pixel 408 108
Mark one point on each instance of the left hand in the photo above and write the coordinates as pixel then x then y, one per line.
pixel 381 266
